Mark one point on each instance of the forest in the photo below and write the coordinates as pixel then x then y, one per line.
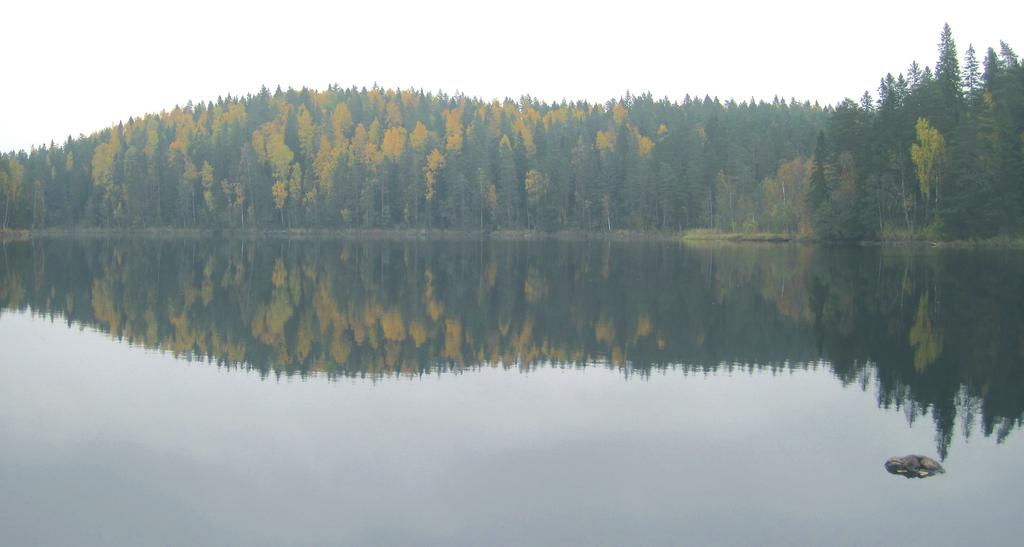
pixel 935 153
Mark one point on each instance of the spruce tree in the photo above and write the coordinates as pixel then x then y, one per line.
pixel 972 75
pixel 818 193
pixel 947 75
pixel 992 67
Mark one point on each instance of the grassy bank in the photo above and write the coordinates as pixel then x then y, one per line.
pixel 15 235
pixel 718 235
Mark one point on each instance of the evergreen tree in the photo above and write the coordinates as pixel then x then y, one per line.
pixel 948 78
pixel 818 192
pixel 972 75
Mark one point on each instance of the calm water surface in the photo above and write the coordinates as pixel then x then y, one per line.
pixel 541 393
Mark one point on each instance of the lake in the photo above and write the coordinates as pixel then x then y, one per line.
pixel 368 392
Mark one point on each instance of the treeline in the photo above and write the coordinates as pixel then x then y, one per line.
pixel 938 150
pixel 396 158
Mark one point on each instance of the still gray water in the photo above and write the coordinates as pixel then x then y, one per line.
pixel 164 391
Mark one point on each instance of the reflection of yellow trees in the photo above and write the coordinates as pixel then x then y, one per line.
pixel 280 274
pixel 523 344
pixel 927 343
pixel 490 275
pixel 418 333
pixel 268 324
pixel 152 324
pixel 310 314
pixel 358 332
pixel 434 307
pixel 103 305
pixel 206 286
pixel 340 347
pixel 233 352
pixel 304 339
pixel 453 340
pixel 393 327
pixel 535 287
pixel 643 328
pixel 618 357
pixel 183 338
pixel 206 292
pixel 326 309
pixel 604 331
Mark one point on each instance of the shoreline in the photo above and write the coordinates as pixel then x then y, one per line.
pixel 15 235
pixel 689 236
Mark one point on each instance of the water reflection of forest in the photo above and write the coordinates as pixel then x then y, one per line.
pixel 938 333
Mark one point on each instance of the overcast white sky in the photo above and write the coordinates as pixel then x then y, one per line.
pixel 75 67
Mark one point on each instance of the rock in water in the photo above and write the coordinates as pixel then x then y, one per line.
pixel 913 466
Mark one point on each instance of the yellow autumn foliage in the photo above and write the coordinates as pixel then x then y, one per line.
pixel 394 143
